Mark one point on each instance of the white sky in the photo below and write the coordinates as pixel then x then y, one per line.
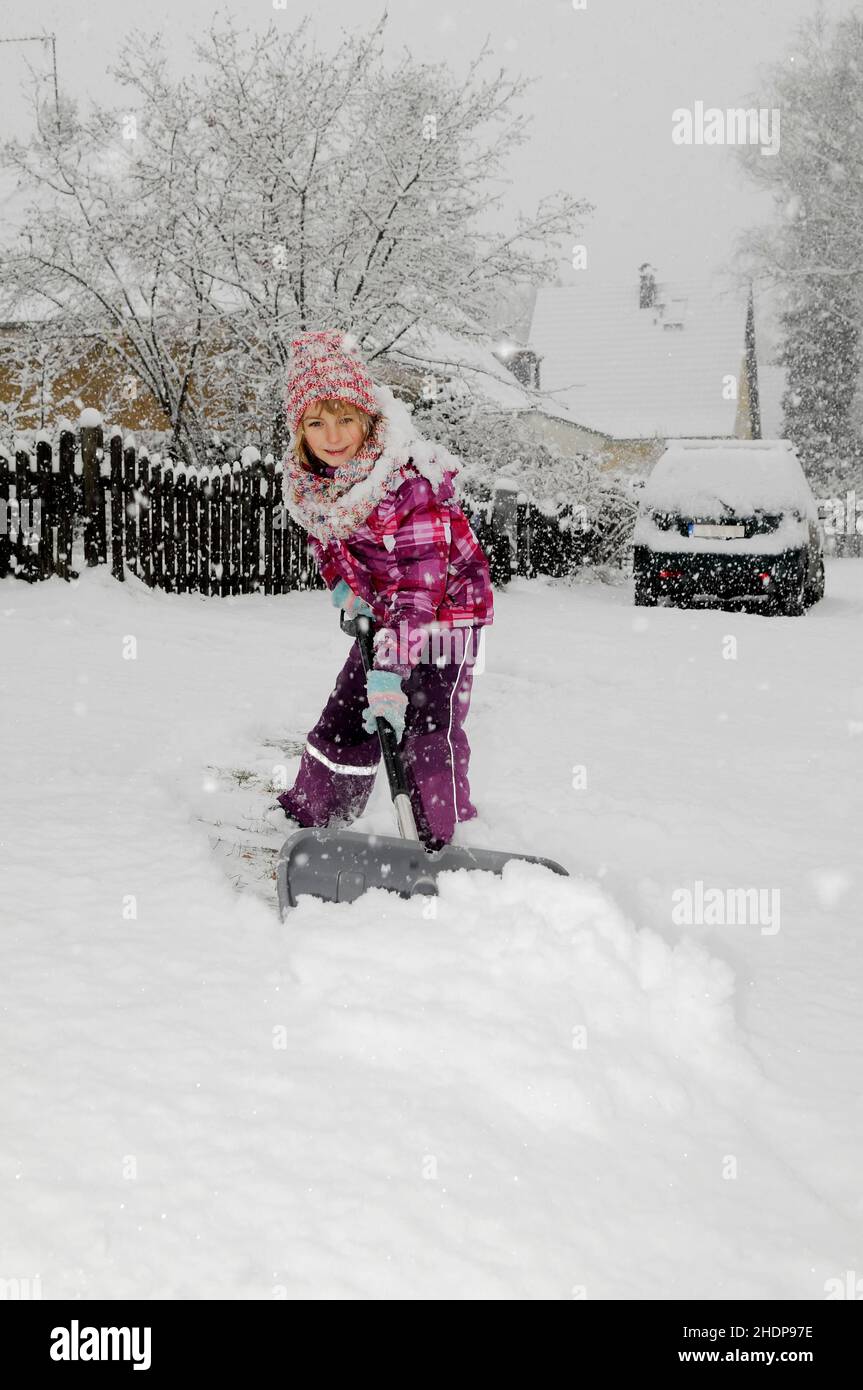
pixel 610 77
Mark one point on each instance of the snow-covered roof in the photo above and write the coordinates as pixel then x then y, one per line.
pixel 425 349
pixel 626 372
pixel 471 361
pixel 743 476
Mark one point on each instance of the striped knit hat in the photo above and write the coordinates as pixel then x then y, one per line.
pixel 326 366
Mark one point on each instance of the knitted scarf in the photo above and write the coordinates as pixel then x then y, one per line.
pixel 331 508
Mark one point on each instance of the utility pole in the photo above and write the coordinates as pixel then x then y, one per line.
pixel 44 38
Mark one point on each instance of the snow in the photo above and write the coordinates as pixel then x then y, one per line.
pixel 532 1087
pixel 89 418
pixel 617 369
pixel 471 362
pixel 695 478
pixel 788 535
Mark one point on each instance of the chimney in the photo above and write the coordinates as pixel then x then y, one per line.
pixel 646 286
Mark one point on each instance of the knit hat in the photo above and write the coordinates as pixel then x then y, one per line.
pixel 325 366
pixel 332 504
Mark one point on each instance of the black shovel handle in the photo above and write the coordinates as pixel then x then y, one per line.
pixel 362 628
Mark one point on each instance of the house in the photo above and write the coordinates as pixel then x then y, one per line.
pixel 423 359
pixel 613 370
pixel 623 368
pixel 46 373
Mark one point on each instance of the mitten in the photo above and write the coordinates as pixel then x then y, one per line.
pixel 387 701
pixel 352 606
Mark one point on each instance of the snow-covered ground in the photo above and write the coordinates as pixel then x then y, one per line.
pixel 542 1088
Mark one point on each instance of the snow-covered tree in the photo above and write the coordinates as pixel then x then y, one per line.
pixel 574 490
pixel 30 365
pixel 813 252
pixel 820 352
pixel 276 187
pixel 104 255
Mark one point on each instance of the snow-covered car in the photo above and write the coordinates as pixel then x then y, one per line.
pixel 729 521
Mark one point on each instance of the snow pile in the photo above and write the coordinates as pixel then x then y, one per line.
pixel 788 535
pixel 737 476
pixel 625 1020
pixel 520 1089
pixel 390 1098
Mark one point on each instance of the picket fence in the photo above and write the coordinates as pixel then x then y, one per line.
pixel 216 529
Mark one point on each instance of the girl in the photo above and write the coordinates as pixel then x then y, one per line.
pixel 389 538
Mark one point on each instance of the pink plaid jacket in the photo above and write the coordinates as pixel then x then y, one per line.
pixel 415 560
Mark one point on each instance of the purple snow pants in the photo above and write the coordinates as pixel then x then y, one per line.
pixel 338 766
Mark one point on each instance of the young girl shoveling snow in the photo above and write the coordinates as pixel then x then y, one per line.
pixel 391 541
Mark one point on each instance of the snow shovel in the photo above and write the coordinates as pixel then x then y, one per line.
pixel 340 865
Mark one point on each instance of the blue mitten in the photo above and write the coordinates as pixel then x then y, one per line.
pixel 343 597
pixel 387 701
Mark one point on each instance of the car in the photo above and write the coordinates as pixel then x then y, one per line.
pixel 729 522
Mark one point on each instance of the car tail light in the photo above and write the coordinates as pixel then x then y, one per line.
pixel 671 574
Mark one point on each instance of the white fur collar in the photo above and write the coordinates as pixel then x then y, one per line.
pixel 400 440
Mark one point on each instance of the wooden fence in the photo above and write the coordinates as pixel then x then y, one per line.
pixel 217 529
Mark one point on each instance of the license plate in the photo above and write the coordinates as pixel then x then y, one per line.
pixel 714 532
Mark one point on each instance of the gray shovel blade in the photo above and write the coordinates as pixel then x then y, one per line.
pixel 339 865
